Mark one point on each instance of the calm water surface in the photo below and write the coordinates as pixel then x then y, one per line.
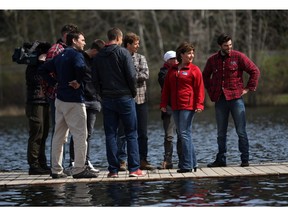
pixel 267 130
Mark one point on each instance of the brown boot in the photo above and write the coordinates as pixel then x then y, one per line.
pixel 166 165
pixel 123 166
pixel 145 165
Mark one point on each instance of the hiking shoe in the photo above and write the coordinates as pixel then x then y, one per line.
pixel 39 171
pixel 166 165
pixel 244 164
pixel 112 175
pixel 123 166
pixel 86 174
pixel 137 173
pixel 216 164
pixel 91 168
pixel 68 171
pixel 145 165
pixel 58 176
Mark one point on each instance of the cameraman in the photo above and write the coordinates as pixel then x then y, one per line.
pixel 37 112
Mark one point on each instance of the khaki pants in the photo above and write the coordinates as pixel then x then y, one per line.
pixel 69 116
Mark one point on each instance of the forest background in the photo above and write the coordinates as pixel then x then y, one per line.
pixel 261 34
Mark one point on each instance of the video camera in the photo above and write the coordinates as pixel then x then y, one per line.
pixel 29 52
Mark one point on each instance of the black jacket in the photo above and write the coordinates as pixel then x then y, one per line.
pixel 34 89
pixel 90 92
pixel 115 72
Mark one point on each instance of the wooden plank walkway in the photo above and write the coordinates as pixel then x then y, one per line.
pixel 22 178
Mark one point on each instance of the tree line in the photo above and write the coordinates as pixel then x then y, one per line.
pixel 261 34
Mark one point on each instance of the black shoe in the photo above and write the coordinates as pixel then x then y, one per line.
pixel 86 174
pixel 244 164
pixel 216 164
pixel 195 169
pixel 184 170
pixel 39 171
pixel 58 176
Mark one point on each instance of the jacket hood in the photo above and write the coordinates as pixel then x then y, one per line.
pixel 108 50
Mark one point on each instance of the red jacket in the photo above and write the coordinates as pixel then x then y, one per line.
pixel 184 90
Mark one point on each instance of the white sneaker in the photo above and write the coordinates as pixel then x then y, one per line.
pixel 90 166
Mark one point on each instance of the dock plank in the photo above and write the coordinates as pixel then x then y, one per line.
pixel 22 178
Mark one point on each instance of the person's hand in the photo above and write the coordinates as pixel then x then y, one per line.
pixel 163 109
pixel 74 84
pixel 245 91
pixel 198 110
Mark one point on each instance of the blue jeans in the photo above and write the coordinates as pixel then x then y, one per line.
pixel 142 121
pixel 183 121
pixel 114 110
pixel 237 109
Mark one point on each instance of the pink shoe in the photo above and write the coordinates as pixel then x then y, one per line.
pixel 137 173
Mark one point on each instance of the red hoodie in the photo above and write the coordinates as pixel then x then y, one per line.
pixel 183 89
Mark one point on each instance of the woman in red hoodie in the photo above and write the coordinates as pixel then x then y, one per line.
pixel 184 90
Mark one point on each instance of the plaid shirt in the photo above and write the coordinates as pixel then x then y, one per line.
pixel 224 74
pixel 142 74
pixel 50 91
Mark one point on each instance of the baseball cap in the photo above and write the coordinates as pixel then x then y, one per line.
pixel 168 55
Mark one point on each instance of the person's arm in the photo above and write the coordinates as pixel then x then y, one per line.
pixel 45 71
pixel 142 69
pixel 254 73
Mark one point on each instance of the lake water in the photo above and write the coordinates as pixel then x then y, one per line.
pixel 267 130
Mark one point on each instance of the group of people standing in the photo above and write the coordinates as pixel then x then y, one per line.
pixel 77 84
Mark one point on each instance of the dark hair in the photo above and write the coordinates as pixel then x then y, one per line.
pixel 68 28
pixel 73 35
pixel 113 33
pixel 130 38
pixel 97 44
pixel 223 38
pixel 183 48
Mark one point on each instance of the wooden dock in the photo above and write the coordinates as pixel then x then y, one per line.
pixel 272 169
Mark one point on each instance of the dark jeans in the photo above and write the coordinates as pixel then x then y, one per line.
pixel 38 118
pixel 142 121
pixel 114 111
pixel 237 109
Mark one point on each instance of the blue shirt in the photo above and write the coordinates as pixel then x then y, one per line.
pixel 68 65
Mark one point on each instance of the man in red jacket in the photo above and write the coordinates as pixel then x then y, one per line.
pixel 223 79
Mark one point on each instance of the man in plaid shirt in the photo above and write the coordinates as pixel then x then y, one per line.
pixel 223 79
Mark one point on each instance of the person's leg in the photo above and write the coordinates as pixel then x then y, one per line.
pixel 239 116
pixel 121 142
pixel 222 115
pixel 75 116
pixel 168 126
pixel 142 114
pixel 91 119
pixel 111 122
pixel 71 152
pixel 59 138
pixel 45 132
pixel 34 115
pixel 128 117
pixel 184 125
pixel 142 121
